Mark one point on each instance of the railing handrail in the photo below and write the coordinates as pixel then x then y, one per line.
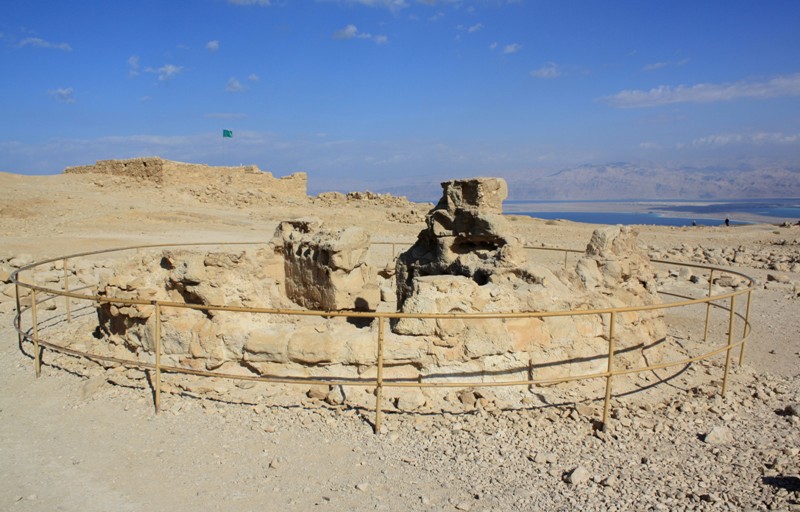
pixel 379 382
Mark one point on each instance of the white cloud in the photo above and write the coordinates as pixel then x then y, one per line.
pixel 511 48
pixel 234 85
pixel 348 32
pixel 658 65
pixel 549 70
pixel 212 46
pixel 41 43
pixel 133 65
pixel 253 77
pixel 760 138
pixel 439 15
pixel 165 72
pixel 493 46
pixel 64 94
pixel 654 66
pixel 471 29
pixel 775 138
pixel 351 32
pixel 787 85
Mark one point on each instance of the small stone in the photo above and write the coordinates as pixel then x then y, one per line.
pixel 584 410
pixel 335 396
pixel 318 392
pixel 719 435
pixel 579 475
pixel 467 398
pixel 609 481
pixel 410 400
pixel 540 458
pixel 92 386
pixel 363 486
pixel 464 505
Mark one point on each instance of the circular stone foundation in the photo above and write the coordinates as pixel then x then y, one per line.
pixel 217 323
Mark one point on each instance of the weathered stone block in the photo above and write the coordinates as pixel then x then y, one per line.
pixel 269 344
pixel 308 346
pixel 327 269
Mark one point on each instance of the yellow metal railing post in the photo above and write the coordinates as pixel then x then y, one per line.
pixel 731 320
pixel 746 324
pixel 37 357
pixel 379 388
pixel 157 348
pixel 66 289
pixel 607 403
pixel 19 313
pixel 708 304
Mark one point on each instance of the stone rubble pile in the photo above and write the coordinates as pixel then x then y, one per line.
pixel 782 257
pixel 82 274
pixel 219 193
pixel 783 266
pixel 398 208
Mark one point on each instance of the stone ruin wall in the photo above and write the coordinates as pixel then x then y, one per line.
pixel 327 270
pixel 467 259
pixel 149 169
pixel 168 172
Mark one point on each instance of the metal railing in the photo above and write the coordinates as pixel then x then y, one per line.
pixel 32 335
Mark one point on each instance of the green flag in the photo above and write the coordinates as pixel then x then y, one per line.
pixel 227 133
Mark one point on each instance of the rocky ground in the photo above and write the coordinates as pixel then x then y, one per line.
pixel 73 443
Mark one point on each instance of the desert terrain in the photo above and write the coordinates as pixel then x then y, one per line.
pixel 68 442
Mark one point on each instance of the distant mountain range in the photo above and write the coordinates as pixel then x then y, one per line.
pixel 632 181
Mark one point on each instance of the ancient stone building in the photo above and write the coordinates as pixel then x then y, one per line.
pixel 467 260
pixel 159 171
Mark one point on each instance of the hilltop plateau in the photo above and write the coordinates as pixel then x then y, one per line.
pixel 75 441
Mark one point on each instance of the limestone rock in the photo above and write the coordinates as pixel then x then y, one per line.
pixel 5 274
pixel 410 399
pixel 466 235
pixel 579 475
pixel 719 435
pixel 327 269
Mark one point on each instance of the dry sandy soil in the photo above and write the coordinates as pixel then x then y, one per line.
pixel 68 443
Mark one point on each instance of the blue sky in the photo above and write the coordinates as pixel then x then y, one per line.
pixel 363 93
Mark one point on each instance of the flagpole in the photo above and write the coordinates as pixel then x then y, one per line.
pixel 226 134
